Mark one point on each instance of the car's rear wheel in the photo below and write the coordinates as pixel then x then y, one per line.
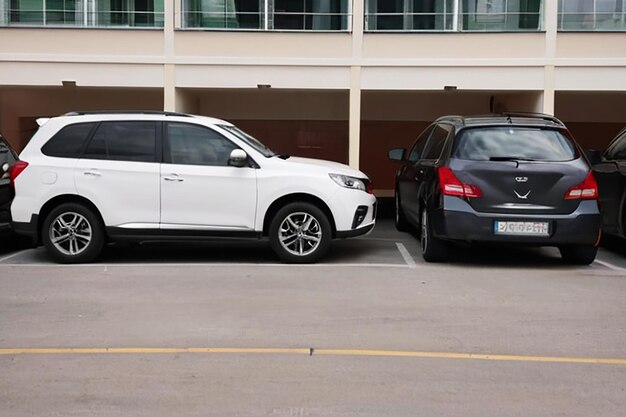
pixel 433 249
pixel 300 233
pixel 578 254
pixel 399 217
pixel 73 233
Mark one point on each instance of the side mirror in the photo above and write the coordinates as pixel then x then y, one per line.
pixel 238 158
pixel 397 154
pixel 594 156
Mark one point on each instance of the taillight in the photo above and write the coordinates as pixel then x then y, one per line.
pixel 450 185
pixel 17 168
pixel 370 187
pixel 586 190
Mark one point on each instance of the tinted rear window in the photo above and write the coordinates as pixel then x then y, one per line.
pixel 68 142
pixel 494 143
pixel 123 141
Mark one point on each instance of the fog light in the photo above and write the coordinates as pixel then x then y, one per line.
pixel 359 216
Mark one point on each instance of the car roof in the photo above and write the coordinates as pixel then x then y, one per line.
pixel 504 119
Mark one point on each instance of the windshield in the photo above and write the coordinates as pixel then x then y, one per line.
pixel 255 143
pixel 514 143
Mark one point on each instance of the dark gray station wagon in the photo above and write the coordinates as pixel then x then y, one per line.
pixel 513 178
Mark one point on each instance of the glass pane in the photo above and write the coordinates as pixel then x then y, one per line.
pixel 589 15
pixel 223 14
pixel 310 14
pixel 124 141
pixel 196 145
pixel 514 142
pixel 501 15
pixel 69 142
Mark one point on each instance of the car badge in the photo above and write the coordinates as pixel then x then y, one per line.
pixel 521 179
pixel 523 197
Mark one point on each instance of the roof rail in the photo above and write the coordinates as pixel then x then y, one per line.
pixel 543 116
pixel 155 112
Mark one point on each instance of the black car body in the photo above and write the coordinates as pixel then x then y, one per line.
pixel 7 159
pixel 610 173
pixel 513 178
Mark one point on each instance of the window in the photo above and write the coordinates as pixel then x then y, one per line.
pixel 410 15
pixel 416 152
pixel 436 142
pixel 196 145
pixel 591 15
pixel 86 13
pixel 123 141
pixel 501 15
pixel 267 14
pixel 521 143
pixel 452 15
pixel 69 141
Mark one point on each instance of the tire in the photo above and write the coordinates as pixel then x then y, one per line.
pixel 400 220
pixel 73 233
pixel 293 240
pixel 578 254
pixel 433 249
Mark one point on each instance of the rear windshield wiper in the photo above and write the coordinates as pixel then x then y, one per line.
pixel 510 158
pixel 281 156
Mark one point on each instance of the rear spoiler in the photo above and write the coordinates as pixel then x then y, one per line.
pixel 42 121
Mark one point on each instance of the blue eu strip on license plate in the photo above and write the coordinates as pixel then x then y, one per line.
pixel 519 228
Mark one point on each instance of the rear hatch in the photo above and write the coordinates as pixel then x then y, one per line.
pixel 519 169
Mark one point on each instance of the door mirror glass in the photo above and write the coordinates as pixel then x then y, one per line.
pixel 238 158
pixel 397 154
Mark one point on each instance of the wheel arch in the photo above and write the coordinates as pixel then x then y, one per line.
pixel 297 197
pixel 62 199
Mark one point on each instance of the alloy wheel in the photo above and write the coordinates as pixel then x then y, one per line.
pixel 300 233
pixel 70 233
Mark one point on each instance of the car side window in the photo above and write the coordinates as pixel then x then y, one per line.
pixel 123 141
pixel 69 141
pixel 188 144
pixel 618 151
pixel 417 150
pixel 436 142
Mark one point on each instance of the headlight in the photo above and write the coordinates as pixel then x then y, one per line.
pixel 349 182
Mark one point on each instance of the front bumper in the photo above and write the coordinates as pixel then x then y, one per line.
pixel 459 221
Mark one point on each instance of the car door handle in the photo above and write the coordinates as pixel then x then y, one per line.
pixel 174 178
pixel 92 173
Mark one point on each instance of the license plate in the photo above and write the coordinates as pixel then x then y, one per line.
pixel 522 228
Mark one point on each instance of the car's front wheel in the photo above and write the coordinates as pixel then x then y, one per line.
pixel 73 233
pixel 578 254
pixel 300 233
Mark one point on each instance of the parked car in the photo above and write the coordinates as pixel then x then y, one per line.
pixel 7 159
pixel 610 172
pixel 513 178
pixel 88 178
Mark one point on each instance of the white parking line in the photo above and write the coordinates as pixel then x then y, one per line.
pixel 14 254
pixel 406 255
pixel 207 264
pixel 610 266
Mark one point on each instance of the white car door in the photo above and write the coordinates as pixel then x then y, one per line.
pixel 199 190
pixel 120 175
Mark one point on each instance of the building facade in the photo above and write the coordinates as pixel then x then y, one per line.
pixel 335 79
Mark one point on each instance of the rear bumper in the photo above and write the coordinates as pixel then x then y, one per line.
pixel 458 221
pixel 27 228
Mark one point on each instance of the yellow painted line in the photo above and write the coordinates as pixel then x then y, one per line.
pixel 316 352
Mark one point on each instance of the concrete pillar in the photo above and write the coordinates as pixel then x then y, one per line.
pixel 551 26
pixel 169 70
pixel 354 144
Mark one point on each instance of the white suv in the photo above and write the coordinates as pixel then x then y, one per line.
pixel 91 177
